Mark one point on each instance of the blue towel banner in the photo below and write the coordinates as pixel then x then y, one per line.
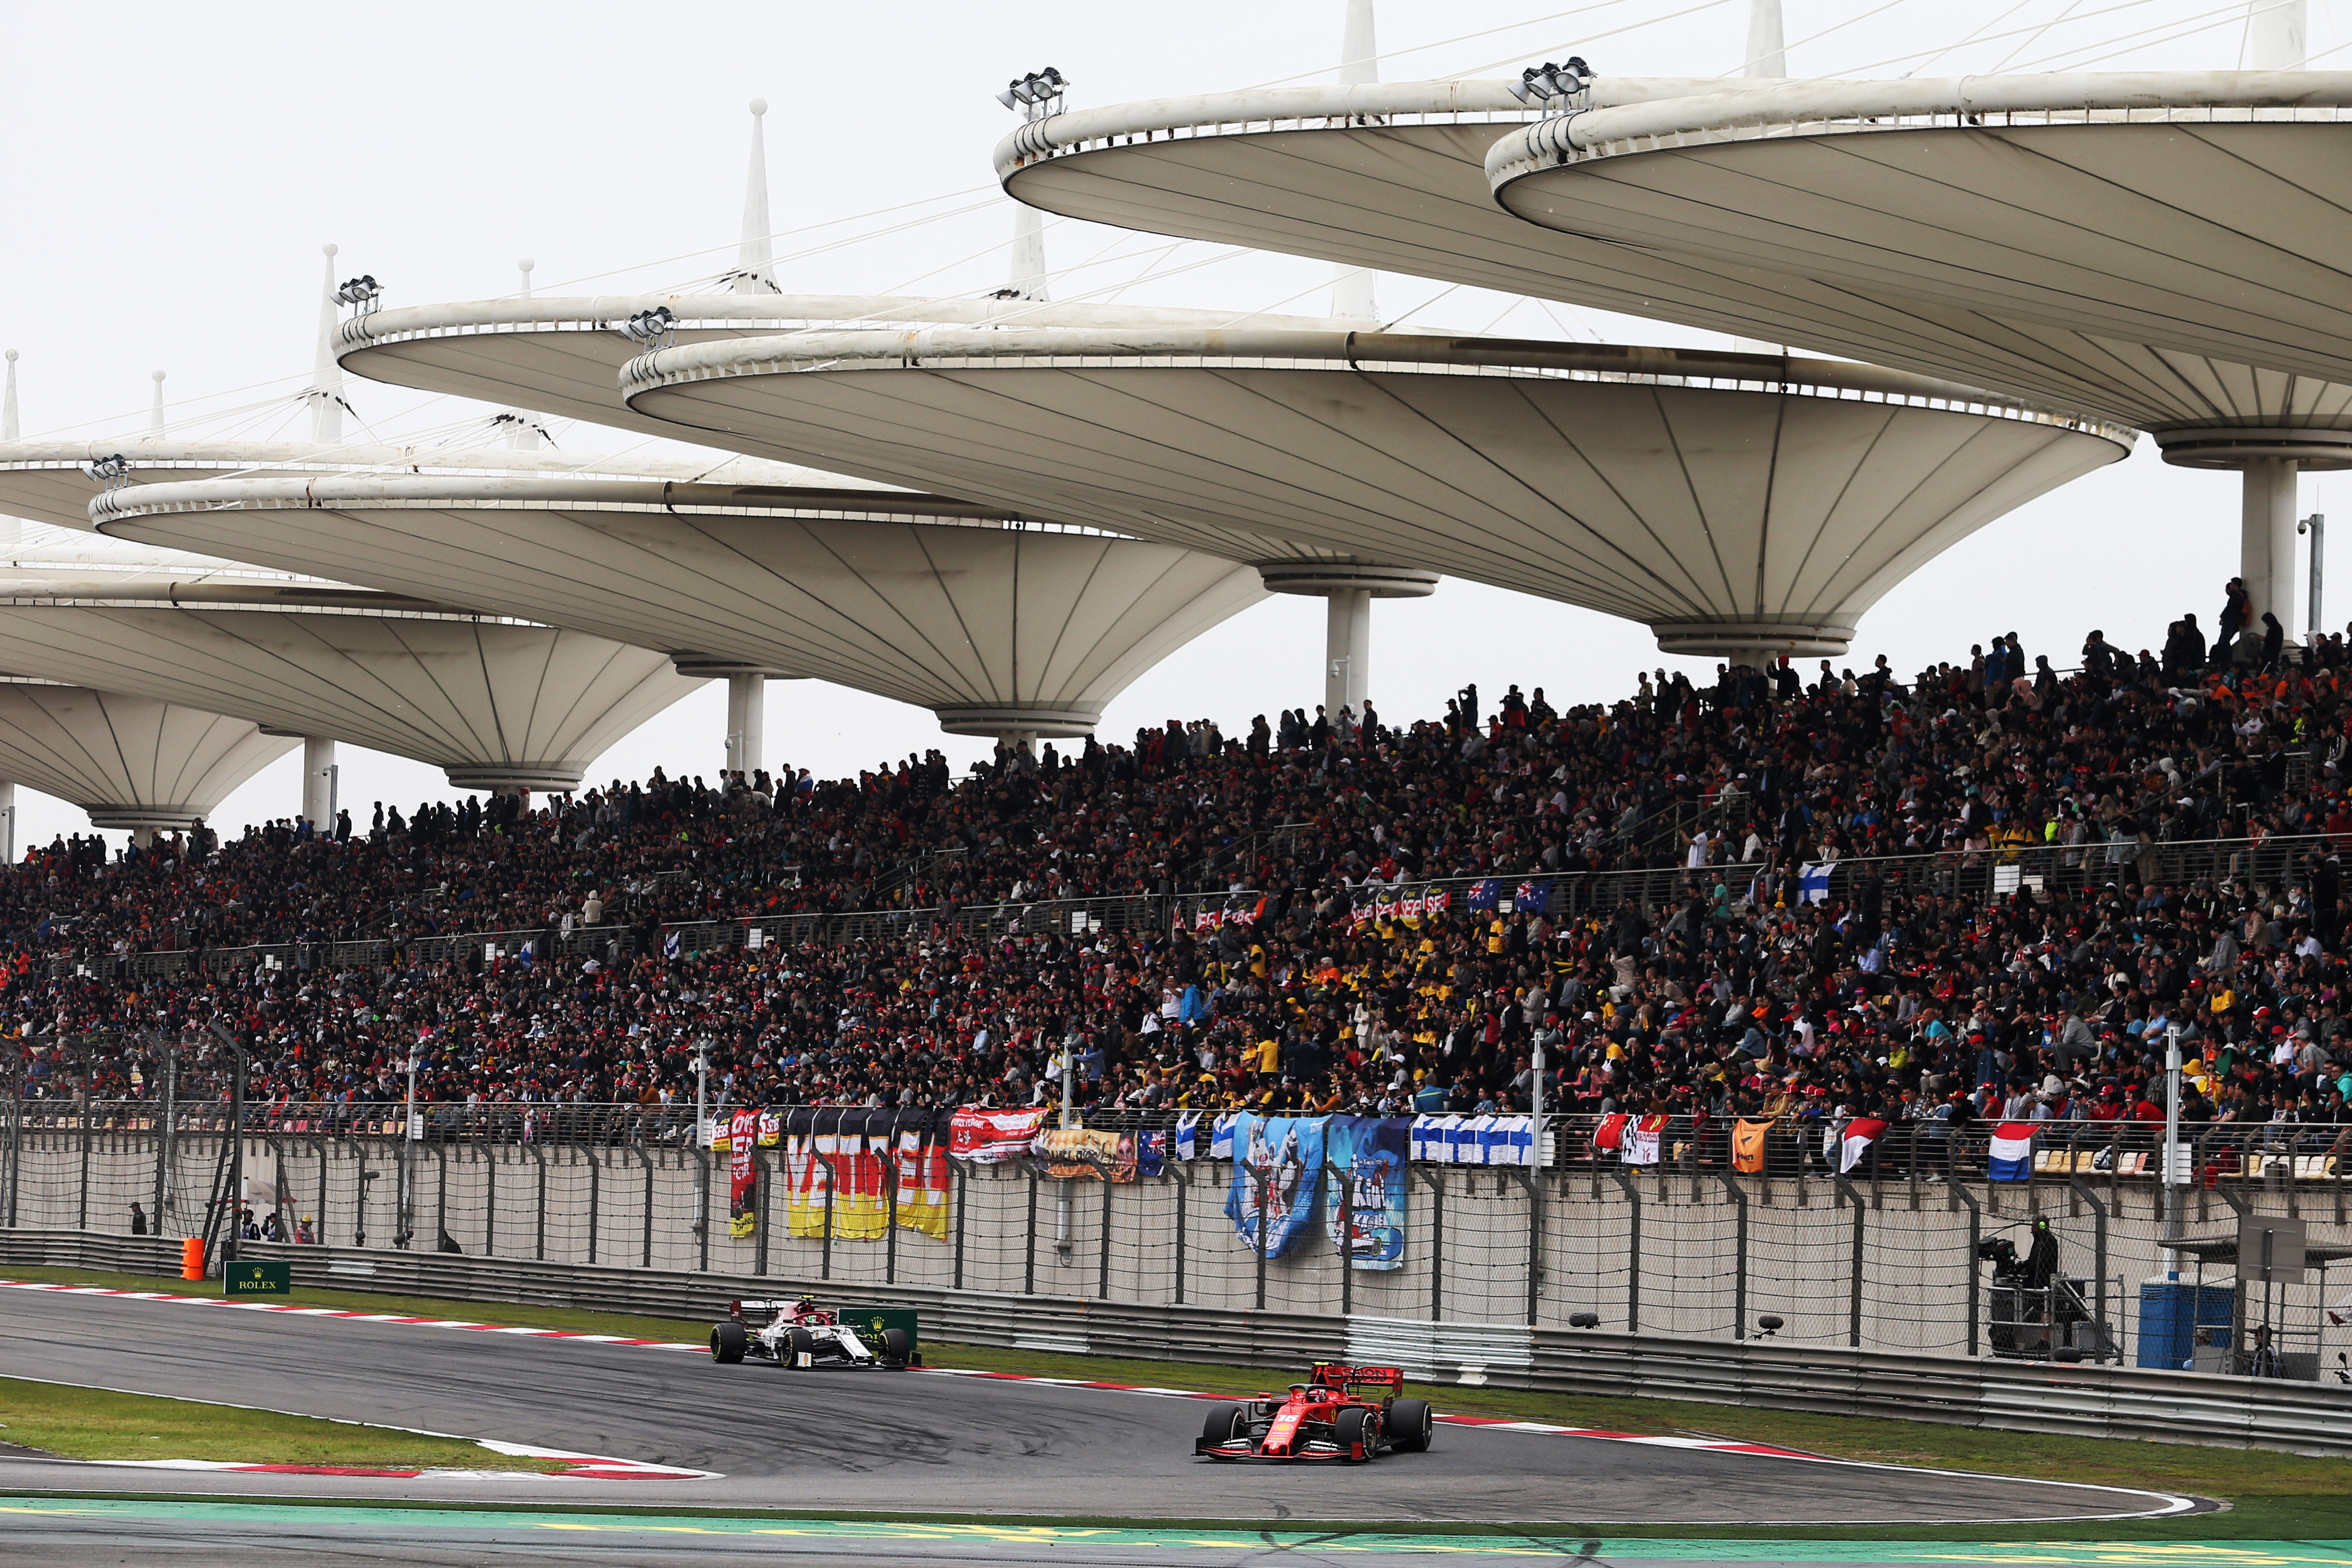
pixel 1369 1154
pixel 1277 1180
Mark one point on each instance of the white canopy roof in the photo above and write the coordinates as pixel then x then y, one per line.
pixel 45 479
pixel 495 704
pixel 1393 176
pixel 1733 502
pixel 996 625
pixel 2204 213
pixel 564 355
pixel 129 762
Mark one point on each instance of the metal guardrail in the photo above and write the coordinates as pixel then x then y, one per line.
pixel 2071 1400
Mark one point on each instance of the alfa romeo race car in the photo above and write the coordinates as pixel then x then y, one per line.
pixel 1323 1418
pixel 800 1334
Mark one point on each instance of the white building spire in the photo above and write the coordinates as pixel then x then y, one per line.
pixel 1768 55
pixel 326 371
pixel 755 256
pixel 156 426
pixel 1352 295
pixel 8 405
pixel 2274 35
pixel 524 266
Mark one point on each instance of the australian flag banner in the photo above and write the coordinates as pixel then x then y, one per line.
pixel 1367 1219
pixel 1482 894
pixel 1277 1178
pixel 1532 899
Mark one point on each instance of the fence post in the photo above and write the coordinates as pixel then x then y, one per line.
pixel 1632 1253
pixel 81 1213
pixel 1738 1255
pixel 1029 1232
pixel 539 1249
pixel 1184 1187
pixel 1261 1177
pixel 440 1188
pixel 490 1199
pixel 163 1153
pixel 761 1174
pixel 2099 1273
pixel 890 1216
pixel 1959 1189
pixel 961 1179
pixel 1102 1286
pixel 1347 1244
pixel 359 1198
pixel 645 1221
pixel 1436 1183
pixel 15 1138
pixel 595 1194
pixel 1853 1312
pixel 825 1265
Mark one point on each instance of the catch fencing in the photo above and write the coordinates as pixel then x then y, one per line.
pixel 2076 1400
pixel 1883 1258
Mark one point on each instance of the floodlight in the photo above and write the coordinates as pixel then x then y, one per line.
pixel 1551 83
pixel 359 291
pixel 109 470
pixel 646 326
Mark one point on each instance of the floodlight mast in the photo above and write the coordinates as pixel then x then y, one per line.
pixel 326 396
pixel 1353 295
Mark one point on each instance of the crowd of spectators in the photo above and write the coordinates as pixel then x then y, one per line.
pixel 1738 990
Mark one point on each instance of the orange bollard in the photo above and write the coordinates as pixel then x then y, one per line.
pixel 192 1257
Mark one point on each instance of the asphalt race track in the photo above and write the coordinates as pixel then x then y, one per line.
pixel 874 1441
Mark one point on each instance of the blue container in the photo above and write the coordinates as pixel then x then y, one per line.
pixel 2170 1314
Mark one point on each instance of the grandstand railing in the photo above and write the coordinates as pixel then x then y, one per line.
pixel 2276 862
pixel 2312 1157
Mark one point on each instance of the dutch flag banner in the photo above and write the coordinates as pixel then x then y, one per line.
pixel 2010 1157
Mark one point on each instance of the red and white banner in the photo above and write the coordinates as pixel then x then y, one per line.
pixel 989 1137
pixel 1854 1146
pixel 743 1174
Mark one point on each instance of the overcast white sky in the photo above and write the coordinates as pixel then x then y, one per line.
pixel 175 171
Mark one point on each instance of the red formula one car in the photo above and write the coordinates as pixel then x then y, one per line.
pixel 1323 1418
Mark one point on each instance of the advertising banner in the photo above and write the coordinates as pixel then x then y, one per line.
pixel 1277 1180
pixel 1368 1155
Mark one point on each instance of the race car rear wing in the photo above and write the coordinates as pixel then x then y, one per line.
pixel 1338 1374
pixel 741 1308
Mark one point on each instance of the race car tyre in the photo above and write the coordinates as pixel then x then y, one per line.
pixel 894 1346
pixel 1412 1425
pixel 797 1342
pixel 727 1342
pixel 1353 1427
pixel 1223 1424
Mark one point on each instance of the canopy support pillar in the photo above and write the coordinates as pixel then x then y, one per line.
pixel 318 779
pixel 1347 589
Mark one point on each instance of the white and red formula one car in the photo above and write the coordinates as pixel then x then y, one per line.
pixel 801 1334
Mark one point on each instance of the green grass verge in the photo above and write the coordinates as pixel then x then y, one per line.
pixel 2271 1496
pixel 94 1424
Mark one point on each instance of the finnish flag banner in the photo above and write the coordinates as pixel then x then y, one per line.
pixel 1813 882
pixel 2011 1156
pixel 1188 1135
pixel 1221 1135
